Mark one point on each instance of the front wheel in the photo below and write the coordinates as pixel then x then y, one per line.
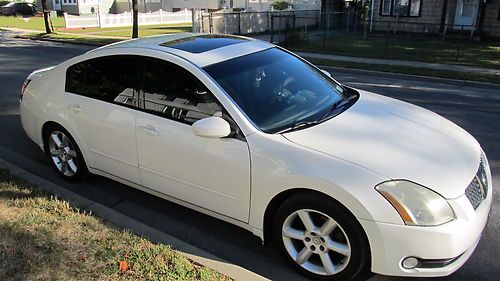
pixel 321 238
pixel 64 154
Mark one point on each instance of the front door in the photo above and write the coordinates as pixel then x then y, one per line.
pixel 465 14
pixel 212 173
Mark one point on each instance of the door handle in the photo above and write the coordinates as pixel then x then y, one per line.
pixel 75 107
pixel 150 129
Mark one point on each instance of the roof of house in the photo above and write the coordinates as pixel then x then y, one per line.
pixel 200 49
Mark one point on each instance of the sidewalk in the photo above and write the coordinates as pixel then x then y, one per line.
pixel 416 64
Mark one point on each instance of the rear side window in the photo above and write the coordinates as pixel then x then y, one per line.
pixel 113 79
pixel 172 92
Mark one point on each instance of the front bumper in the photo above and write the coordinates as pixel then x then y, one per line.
pixel 390 243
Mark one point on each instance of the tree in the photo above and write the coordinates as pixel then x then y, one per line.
pixel 135 19
pixel 46 16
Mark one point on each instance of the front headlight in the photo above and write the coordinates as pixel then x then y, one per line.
pixel 416 204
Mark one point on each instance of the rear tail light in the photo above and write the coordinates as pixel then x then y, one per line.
pixel 25 85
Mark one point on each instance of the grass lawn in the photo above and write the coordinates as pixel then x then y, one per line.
pixel 126 31
pixel 45 238
pixel 36 23
pixel 482 54
pixel 410 70
pixel 33 23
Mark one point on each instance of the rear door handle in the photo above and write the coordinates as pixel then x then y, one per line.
pixel 75 107
pixel 150 129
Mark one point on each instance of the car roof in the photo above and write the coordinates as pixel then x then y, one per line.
pixel 199 49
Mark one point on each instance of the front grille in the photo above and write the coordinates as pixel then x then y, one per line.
pixel 474 192
pixel 478 189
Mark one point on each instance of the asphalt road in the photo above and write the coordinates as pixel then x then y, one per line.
pixel 475 108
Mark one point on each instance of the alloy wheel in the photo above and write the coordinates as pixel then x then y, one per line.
pixel 63 153
pixel 316 242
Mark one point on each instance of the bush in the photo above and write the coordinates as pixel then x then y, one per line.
pixel 280 5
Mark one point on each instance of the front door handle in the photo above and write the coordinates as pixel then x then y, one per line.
pixel 150 129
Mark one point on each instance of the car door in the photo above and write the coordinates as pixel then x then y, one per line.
pixel 101 100
pixel 212 173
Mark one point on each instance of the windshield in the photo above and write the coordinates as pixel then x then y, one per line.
pixel 277 90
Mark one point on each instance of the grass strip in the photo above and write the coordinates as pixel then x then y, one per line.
pixel 45 238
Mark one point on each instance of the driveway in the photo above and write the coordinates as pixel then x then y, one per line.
pixel 475 108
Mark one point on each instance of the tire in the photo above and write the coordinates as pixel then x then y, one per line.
pixel 333 246
pixel 64 154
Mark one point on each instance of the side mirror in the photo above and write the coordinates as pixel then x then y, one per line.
pixel 326 72
pixel 211 127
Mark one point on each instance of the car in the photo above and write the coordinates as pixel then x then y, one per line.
pixel 18 9
pixel 342 180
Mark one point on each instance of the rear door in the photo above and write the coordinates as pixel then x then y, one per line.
pixel 101 98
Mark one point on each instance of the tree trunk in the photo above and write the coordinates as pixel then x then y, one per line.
pixel 46 18
pixel 135 20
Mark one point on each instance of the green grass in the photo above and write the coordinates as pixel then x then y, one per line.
pixel 36 23
pixel 45 238
pixel 410 70
pixel 33 23
pixel 126 31
pixel 480 53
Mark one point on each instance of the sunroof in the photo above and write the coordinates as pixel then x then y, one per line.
pixel 202 43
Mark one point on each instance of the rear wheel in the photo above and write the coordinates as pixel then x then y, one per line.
pixel 321 238
pixel 64 154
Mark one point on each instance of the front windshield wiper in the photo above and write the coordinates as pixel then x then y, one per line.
pixel 336 105
pixel 304 124
pixel 299 125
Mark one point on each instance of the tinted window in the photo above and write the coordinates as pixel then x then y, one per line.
pixel 172 92
pixel 278 91
pixel 112 79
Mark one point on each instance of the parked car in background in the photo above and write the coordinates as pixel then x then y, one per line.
pixel 18 9
pixel 343 180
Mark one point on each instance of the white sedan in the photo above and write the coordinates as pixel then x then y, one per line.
pixel 344 181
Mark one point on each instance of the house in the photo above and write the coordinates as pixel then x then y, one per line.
pixel 438 16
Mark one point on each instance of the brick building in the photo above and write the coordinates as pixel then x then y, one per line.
pixel 428 16
pixel 437 16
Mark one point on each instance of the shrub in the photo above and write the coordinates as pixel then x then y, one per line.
pixel 280 5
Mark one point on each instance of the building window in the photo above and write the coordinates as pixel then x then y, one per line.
pixel 400 7
pixel 386 7
pixel 415 8
pixel 406 8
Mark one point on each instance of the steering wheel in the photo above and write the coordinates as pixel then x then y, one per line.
pixel 285 92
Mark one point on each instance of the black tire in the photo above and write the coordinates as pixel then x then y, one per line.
pixel 357 267
pixel 81 171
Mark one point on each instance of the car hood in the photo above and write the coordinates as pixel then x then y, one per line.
pixel 400 141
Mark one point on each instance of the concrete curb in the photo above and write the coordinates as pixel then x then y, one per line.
pixel 195 254
pixel 448 81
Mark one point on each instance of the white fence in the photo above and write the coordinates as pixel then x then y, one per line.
pixel 125 19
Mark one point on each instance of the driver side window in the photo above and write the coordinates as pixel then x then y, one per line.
pixel 172 92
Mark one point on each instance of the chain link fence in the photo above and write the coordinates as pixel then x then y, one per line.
pixel 344 33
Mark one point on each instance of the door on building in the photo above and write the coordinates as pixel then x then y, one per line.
pixel 465 14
